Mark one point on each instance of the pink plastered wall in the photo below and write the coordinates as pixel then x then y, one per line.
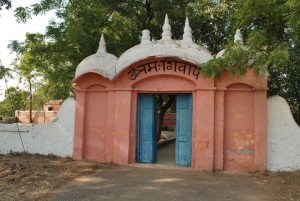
pixel 229 114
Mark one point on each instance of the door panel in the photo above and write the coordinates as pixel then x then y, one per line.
pixel 183 129
pixel 146 131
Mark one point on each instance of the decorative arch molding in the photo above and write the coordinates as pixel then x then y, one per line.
pixel 250 80
pixel 165 83
pixel 96 87
pixel 176 49
pixel 239 86
pixel 92 81
pixel 81 76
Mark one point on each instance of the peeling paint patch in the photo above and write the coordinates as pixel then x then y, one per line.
pixel 243 139
pixel 96 130
pixel 203 145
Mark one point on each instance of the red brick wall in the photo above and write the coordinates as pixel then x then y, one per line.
pixel 170 121
pixel 38 117
pixel 55 107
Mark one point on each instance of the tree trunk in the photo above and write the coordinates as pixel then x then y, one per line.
pixel 163 106
pixel 161 116
pixel 149 10
pixel 30 101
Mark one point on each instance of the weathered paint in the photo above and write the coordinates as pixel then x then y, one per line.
pixel 283 137
pixel 183 129
pixel 53 137
pixel 146 129
pixel 239 127
pixel 224 122
pixel 229 117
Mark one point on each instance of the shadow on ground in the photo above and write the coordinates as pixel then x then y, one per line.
pixel 132 183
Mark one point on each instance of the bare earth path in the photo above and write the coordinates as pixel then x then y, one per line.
pixel 54 178
pixel 131 183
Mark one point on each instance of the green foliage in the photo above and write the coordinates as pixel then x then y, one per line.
pixel 76 32
pixel 14 99
pixel 266 48
pixel 4 72
pixel 235 59
pixel 30 64
pixel 272 48
pixel 209 21
pixel 271 29
pixel 6 3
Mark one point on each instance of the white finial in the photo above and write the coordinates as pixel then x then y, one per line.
pixel 166 35
pixel 145 36
pixel 102 46
pixel 187 32
pixel 238 37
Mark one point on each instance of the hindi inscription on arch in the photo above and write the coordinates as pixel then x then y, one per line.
pixel 164 65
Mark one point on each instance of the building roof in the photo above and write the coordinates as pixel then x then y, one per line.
pixel 53 102
pixel 110 66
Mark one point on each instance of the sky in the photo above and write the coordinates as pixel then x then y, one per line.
pixel 11 30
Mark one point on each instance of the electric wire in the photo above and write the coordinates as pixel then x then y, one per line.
pixel 18 128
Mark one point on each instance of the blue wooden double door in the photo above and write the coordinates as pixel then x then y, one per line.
pixel 147 129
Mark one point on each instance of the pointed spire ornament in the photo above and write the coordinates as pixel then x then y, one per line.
pixel 102 46
pixel 166 35
pixel 145 36
pixel 238 37
pixel 187 32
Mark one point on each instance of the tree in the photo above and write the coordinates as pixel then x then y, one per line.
pixel 271 29
pixel 272 46
pixel 14 99
pixel 79 24
pixel 5 3
pixel 4 72
pixel 29 65
pixel 164 102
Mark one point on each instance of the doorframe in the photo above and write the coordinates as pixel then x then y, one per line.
pixel 134 121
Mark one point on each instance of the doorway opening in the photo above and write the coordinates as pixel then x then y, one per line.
pixel 164 129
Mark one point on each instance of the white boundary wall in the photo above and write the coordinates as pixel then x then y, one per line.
pixel 283 137
pixel 56 136
pixel 53 137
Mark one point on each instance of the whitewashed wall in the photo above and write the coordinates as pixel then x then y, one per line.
pixel 283 137
pixel 53 137
pixel 56 136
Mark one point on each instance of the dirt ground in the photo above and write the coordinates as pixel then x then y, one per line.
pixel 281 185
pixel 18 182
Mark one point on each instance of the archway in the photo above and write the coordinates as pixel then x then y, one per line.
pixel 106 119
pixel 147 129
